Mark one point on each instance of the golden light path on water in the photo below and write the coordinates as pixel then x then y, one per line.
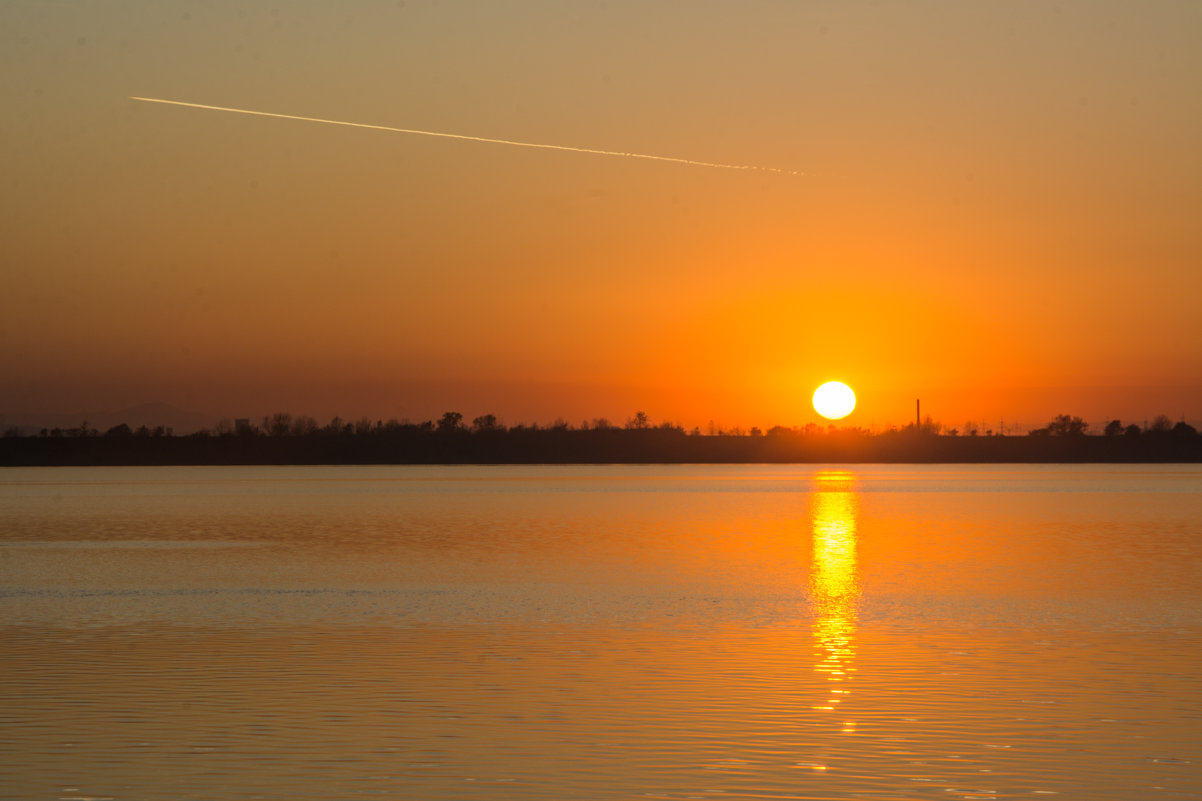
pixel 465 137
pixel 834 585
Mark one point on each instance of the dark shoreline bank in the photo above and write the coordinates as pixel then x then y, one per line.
pixel 606 446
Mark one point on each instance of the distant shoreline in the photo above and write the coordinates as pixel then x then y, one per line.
pixel 418 446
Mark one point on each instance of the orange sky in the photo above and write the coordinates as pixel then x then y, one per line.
pixel 999 212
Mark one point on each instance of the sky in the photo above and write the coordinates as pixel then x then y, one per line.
pixel 997 209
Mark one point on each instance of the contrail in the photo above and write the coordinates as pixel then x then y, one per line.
pixel 690 162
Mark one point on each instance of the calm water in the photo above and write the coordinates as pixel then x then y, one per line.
pixel 601 632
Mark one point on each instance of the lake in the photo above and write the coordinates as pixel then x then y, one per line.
pixel 601 632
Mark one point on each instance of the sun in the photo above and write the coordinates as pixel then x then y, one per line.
pixel 834 400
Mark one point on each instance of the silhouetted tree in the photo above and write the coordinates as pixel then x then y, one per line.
pixel 1132 431
pixel 486 422
pixel 304 426
pixel 278 425
pixel 1063 425
pixel 639 421
pixel 450 422
pixel 1184 429
pixel 121 430
pixel 1161 424
pixel 1113 428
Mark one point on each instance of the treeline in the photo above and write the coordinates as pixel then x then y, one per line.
pixel 284 439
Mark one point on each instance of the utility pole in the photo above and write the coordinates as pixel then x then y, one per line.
pixel 917 414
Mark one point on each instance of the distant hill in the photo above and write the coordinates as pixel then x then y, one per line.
pixel 147 414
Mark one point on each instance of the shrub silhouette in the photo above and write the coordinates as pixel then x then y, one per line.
pixel 1063 425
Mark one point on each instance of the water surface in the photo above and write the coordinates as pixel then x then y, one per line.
pixel 601 632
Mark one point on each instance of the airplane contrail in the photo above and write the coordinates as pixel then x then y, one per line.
pixel 690 162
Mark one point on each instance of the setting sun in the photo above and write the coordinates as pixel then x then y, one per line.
pixel 834 400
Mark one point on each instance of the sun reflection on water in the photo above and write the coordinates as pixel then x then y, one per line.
pixel 834 583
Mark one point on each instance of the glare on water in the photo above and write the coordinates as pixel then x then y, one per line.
pixel 834 584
